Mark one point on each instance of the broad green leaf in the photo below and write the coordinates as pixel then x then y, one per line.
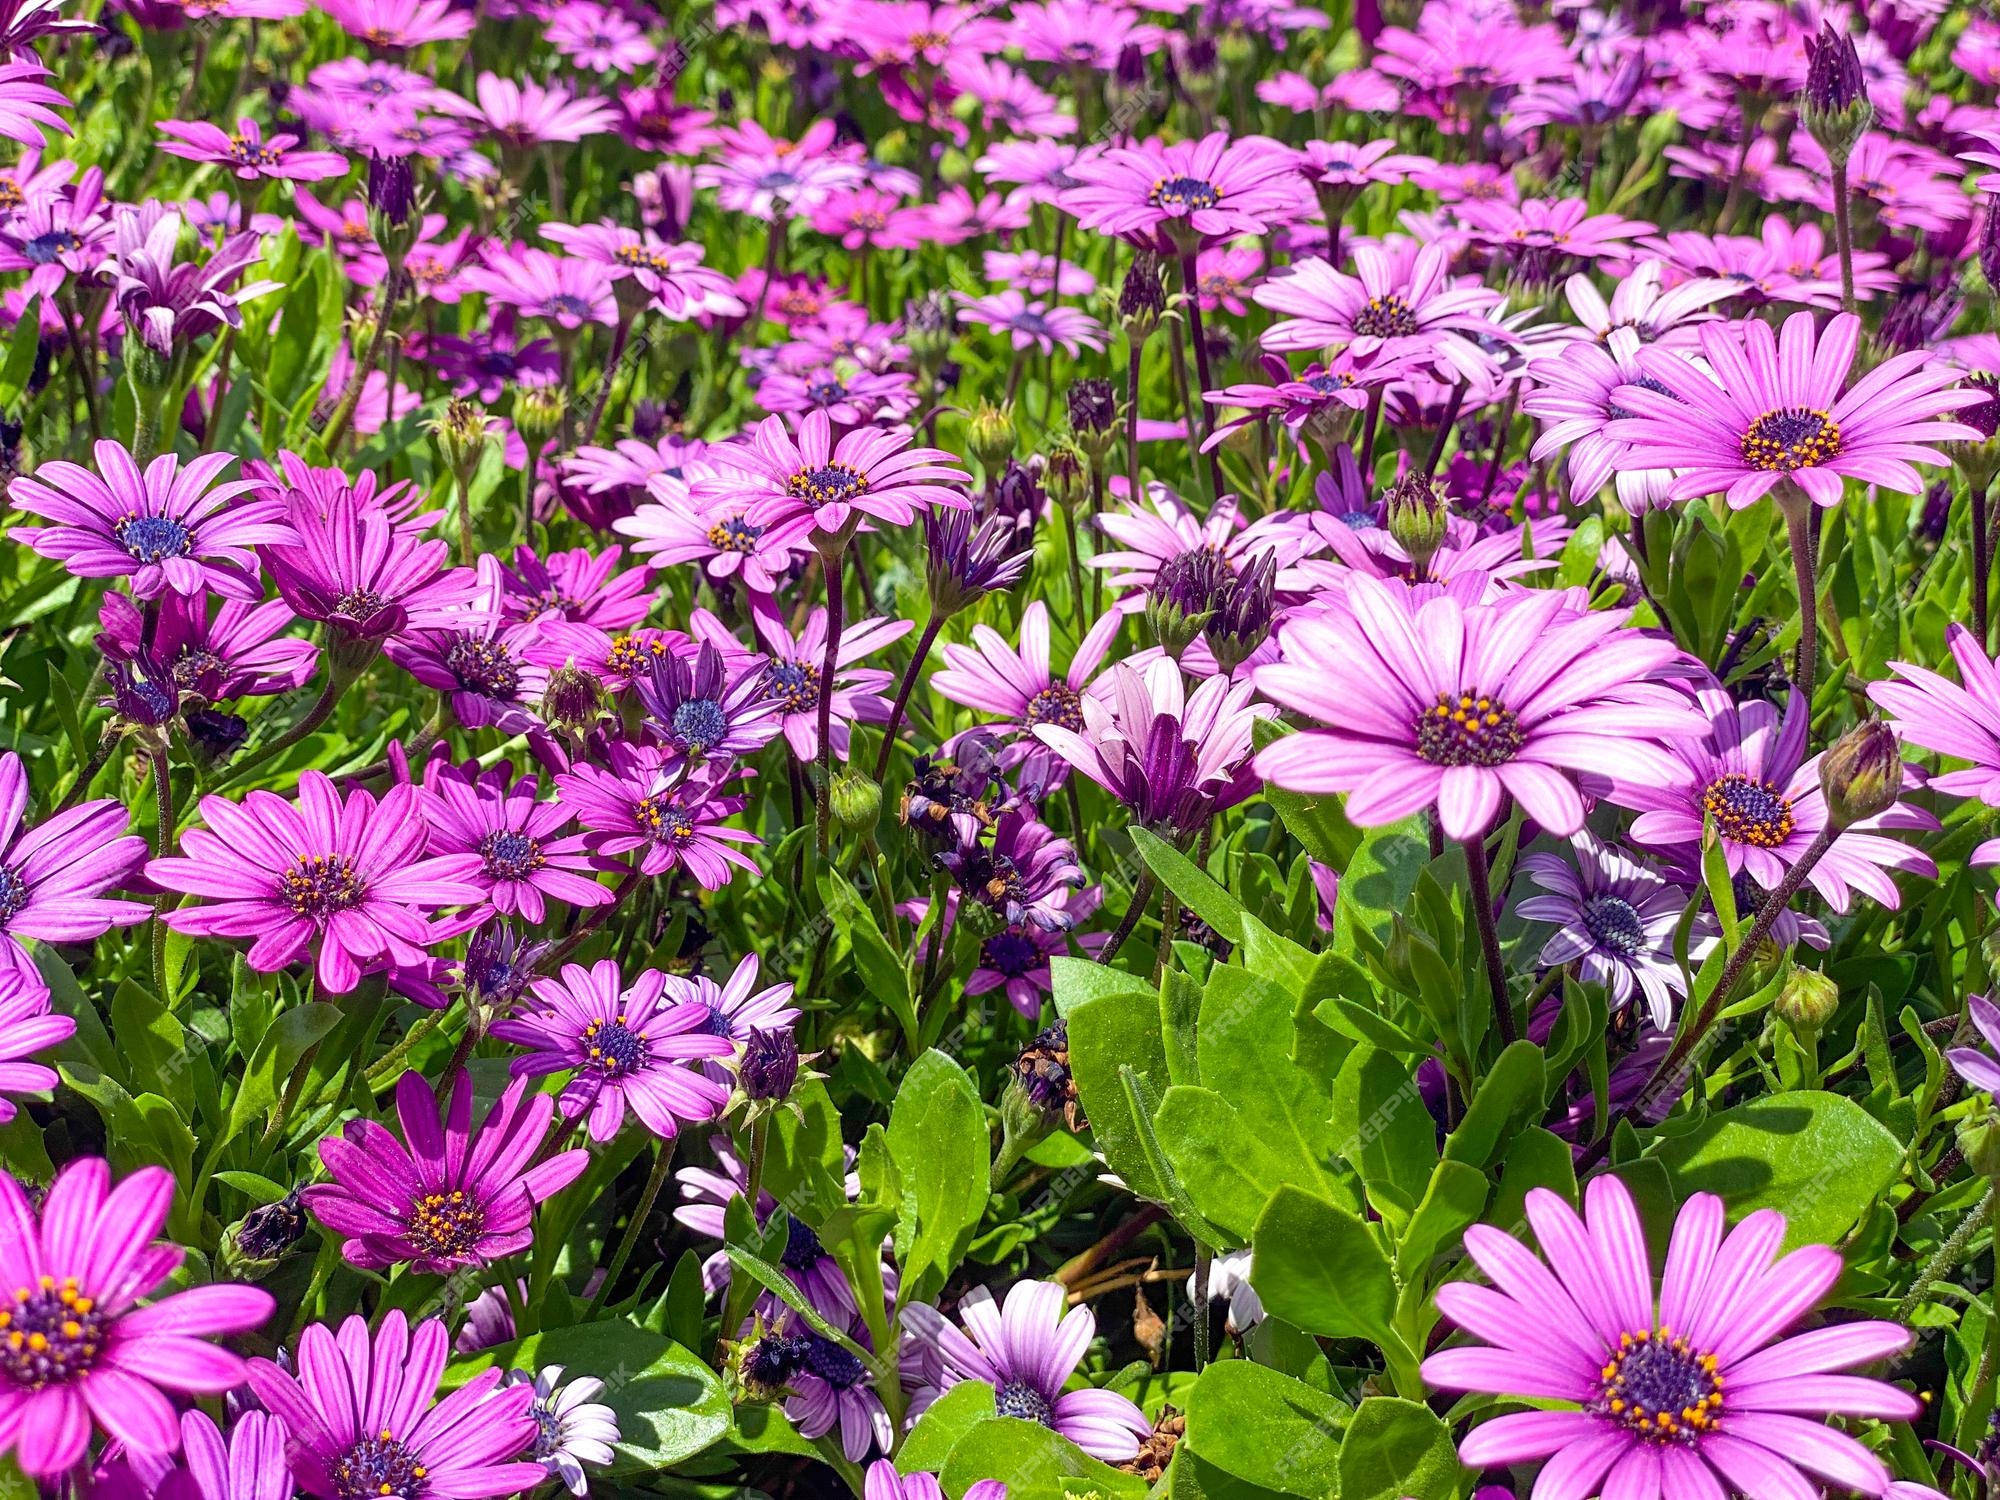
pixel 1377 882
pixel 670 1405
pixel 1114 1030
pixel 1227 1170
pixel 1076 980
pixel 277 1054
pixel 1263 1428
pixel 1197 890
pixel 1820 1159
pixel 1509 1099
pixel 938 1137
pixel 1399 1450
pixel 944 1422
pixel 154 1045
pixel 20 364
pixel 804 1162
pixel 1384 1131
pixel 1453 1200
pixel 879 962
pixel 1036 1463
pixel 1319 1267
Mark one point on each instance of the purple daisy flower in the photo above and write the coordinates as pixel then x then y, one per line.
pixel 479 658
pixel 250 1466
pixel 522 863
pixel 1750 777
pixel 705 1199
pixel 1034 325
pixel 1020 686
pixel 1429 701
pixel 169 526
pixel 1688 1393
pixel 342 875
pixel 27 1027
pixel 651 801
pixel 53 876
pixel 737 1006
pixel 700 711
pixel 621 1046
pixel 674 525
pixel 1770 408
pixel 792 674
pixel 351 567
pixel 1616 920
pixel 248 153
pixel 884 1483
pixel 1981 1069
pixel 1959 719
pixel 814 485
pixel 235 652
pixel 1174 757
pixel 1027 1349
pixel 1573 395
pixel 77 1346
pixel 1025 875
pixel 578 585
pixel 361 1418
pixel 166 302
pixel 1176 197
pixel 446 1196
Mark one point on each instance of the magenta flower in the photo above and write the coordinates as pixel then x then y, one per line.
pixel 674 525
pixel 400 23
pixel 1034 325
pixel 522 860
pixel 1020 687
pixel 344 877
pixel 681 286
pixel 1573 394
pixel 561 289
pixel 166 301
pixel 78 1344
pixel 648 801
pixel 1956 719
pixel 234 652
pixel 1391 307
pixel 1749 777
pixel 600 40
pixel 1178 197
pixel 1559 227
pixel 814 485
pixel 1690 1392
pixel 28 105
pixel 446 1196
pixel 1774 410
pixel 532 114
pixel 350 566
pixel 1981 1069
pixel 480 660
pixel 579 585
pixel 1026 1350
pixel 1431 701
pixel 704 707
pixel 248 154
pixel 54 875
pixel 622 1046
pixel 884 1483
pixel 1174 757
pixel 26 1027
pixel 792 674
pixel 359 1415
pixel 168 526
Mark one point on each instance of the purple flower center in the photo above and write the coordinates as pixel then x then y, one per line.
pixel 1657 1387
pixel 378 1466
pixel 832 1363
pixel 1016 1398
pixel 548 1430
pixel 700 723
pixel 716 1023
pixel 51 1334
pixel 1010 952
pixel 1386 317
pixel 1029 321
pixel 45 249
pixel 827 485
pixel 1645 383
pixel 483 666
pixel 1748 811
pixel 195 665
pixel 445 1224
pixel 1057 704
pixel 734 535
pixel 802 1247
pixel 1613 923
pixel 825 393
pixel 13 895
pixel 511 855
pixel 614 1049
pixel 251 155
pixel 568 304
pixel 1183 194
pixel 319 885
pixel 794 683
pixel 1358 520
pixel 1471 729
pixel 664 819
pixel 358 604
pixel 1328 385
pixel 151 539
pixel 1791 437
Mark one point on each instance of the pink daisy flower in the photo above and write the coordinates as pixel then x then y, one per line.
pixel 1178 197
pixel 1034 325
pixel 1399 311
pixel 532 114
pixel 809 484
pixel 511 845
pixel 248 154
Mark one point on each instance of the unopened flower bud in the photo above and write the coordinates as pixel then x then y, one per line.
pixel 538 412
pixel 267 1232
pixel 1093 418
pixel 770 1065
pixel 1989 249
pixel 392 188
pixel 928 328
pixel 574 698
pixel 1040 1095
pixel 1142 298
pixel 1065 476
pixel 1861 774
pixel 855 801
pixel 462 432
pixel 1834 108
pixel 1807 1000
pixel 1417 518
pixel 1184 595
pixel 1244 610
pixel 1979 1138
pixel 990 434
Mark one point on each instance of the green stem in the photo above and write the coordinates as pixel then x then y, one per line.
pixel 163 795
pixel 1797 510
pixel 836 611
pixel 1142 897
pixel 1843 233
pixel 896 711
pixel 1947 1256
pixel 389 1067
pixel 634 1228
pixel 336 682
pixel 1479 877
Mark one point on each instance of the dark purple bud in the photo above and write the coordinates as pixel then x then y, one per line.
pixel 1986 415
pixel 1093 407
pixel 965 559
pixel 770 1065
pixel 392 187
pixel 1186 591
pixel 1834 80
pixel 1861 774
pixel 1244 610
pixel 1989 249
pixel 141 693
pixel 1142 297
pixel 1130 72
pixel 269 1231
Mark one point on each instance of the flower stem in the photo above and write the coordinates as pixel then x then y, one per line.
pixel 1198 1304
pixel 82 357
pixel 1669 1072
pixel 388 1067
pixel 1982 563
pixel 635 1227
pixel 1451 410
pixel 611 362
pixel 1480 878
pixel 1843 232
pixel 1947 1256
pixel 836 608
pixel 1076 571
pixel 465 550
pixel 1797 510
pixel 1142 897
pixel 1197 408
pixel 80 787
pixel 1132 363
pixel 336 683
pixel 924 643
pixel 163 793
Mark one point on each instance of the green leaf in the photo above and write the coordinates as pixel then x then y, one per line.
pixel 938 1137
pixel 1820 1159
pixel 1509 1099
pixel 1398 1450
pixel 1265 1429
pixel 1227 1170
pixel 804 1162
pixel 1318 1266
pixel 944 1422
pixel 20 365
pixel 276 1055
pixel 880 963
pixel 669 1403
pixel 1456 1195
pixel 1076 980
pixel 775 1281
pixel 154 1045
pixel 1384 1130
pixel 257 1188
pixel 1377 883
pixel 1114 1030
pixel 1036 1463
pixel 1197 891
